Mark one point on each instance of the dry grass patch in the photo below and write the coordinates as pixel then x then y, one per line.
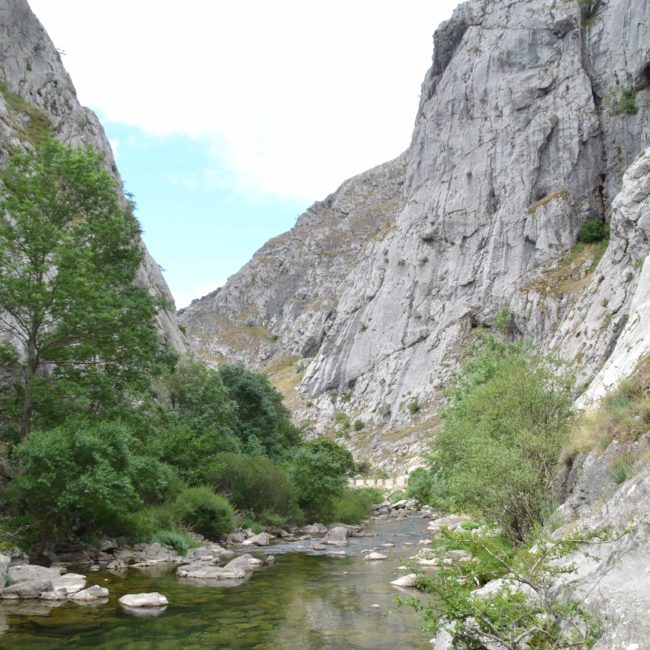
pixel 573 272
pixel 624 415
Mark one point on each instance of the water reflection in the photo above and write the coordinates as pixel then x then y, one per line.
pixel 310 602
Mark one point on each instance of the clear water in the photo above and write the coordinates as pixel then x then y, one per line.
pixel 303 601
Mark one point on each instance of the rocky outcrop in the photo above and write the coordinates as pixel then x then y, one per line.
pixel 529 117
pixel 611 580
pixel 37 94
pixel 607 329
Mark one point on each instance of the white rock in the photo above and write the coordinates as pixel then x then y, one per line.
pixel 90 594
pixel 147 600
pixel 408 580
pixel 374 556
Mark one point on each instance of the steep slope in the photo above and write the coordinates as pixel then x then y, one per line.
pixel 529 117
pixel 282 302
pixel 36 93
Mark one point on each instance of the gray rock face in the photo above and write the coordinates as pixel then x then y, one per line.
pixel 609 322
pixel 31 69
pixel 5 561
pixel 280 305
pixel 525 129
pixel 611 580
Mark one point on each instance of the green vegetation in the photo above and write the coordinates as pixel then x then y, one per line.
pixel 204 511
pixel 75 478
pixel 257 486
pixel 107 431
pixel 38 127
pixel 624 415
pixel 622 101
pixel 414 406
pixel 319 470
pixel 355 505
pixel 523 612
pixel 503 431
pixel 342 420
pixel 592 231
pixel 623 467
pixel 83 334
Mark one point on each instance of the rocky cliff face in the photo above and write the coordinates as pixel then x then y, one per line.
pixel 530 116
pixel 37 93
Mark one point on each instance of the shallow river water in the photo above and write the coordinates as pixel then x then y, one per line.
pixel 303 601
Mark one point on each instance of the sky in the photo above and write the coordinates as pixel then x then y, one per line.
pixel 228 119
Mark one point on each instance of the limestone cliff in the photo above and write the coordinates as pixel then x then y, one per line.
pixel 36 93
pixel 529 117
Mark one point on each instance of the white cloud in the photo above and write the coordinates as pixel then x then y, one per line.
pixel 293 96
pixel 184 298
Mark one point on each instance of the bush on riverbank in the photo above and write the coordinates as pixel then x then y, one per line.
pixel 205 512
pixel 503 431
pixel 355 505
pixel 257 486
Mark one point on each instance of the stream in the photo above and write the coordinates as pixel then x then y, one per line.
pixel 305 600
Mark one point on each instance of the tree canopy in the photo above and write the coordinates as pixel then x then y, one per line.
pixel 78 330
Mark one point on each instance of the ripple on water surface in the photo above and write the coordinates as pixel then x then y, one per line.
pixel 301 602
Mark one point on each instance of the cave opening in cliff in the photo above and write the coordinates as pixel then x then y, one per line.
pixel 644 77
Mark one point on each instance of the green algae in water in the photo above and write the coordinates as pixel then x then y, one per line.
pixel 301 602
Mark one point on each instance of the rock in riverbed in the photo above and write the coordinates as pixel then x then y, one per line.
pixel 374 556
pixel 91 594
pixel 408 580
pixel 150 600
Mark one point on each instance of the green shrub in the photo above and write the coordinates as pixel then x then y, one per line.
pixel 75 479
pixel 502 435
pixel 260 411
pixel 355 505
pixel 337 454
pixel 623 467
pixel 592 231
pixel 319 471
pixel 179 540
pixel 622 102
pixel 507 617
pixel 204 512
pixel 254 485
pixel 154 481
pixel 419 486
pixel 414 407
pixel 342 419
pixel 358 425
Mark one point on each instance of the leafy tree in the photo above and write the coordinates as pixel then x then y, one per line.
pixel 80 331
pixel 195 419
pixel 338 454
pixel 260 411
pixel 319 470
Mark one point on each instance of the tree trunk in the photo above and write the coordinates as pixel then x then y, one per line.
pixel 30 372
